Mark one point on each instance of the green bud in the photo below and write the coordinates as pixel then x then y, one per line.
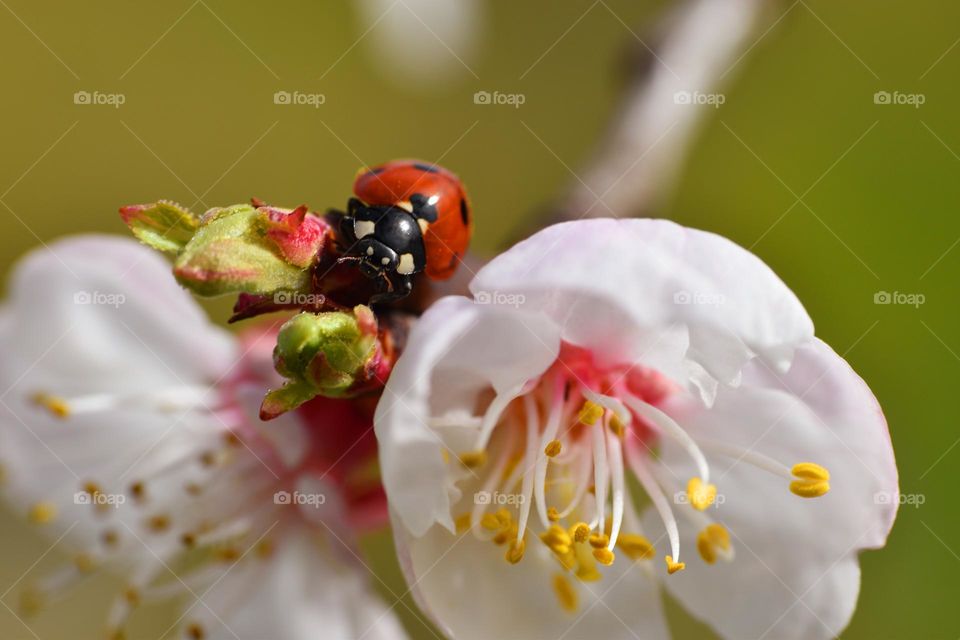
pixel 335 354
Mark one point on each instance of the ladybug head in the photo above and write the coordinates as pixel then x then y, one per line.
pixel 375 257
pixel 389 240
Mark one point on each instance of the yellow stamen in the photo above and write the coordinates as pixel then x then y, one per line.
pixel 265 549
pixel 557 539
pixel 699 494
pixel 503 515
pixel 158 523
pixel 473 459
pixel 712 538
pixel 462 522
pixel 566 594
pixel 553 448
pixel 812 480
pixel 505 535
pixel 588 573
pixel 599 540
pixel 617 426
pixel 673 567
pixel 635 546
pixel 590 413
pixel 42 513
pixel 31 601
pixel 568 559
pixel 84 563
pixel 552 514
pixel 604 556
pixel 55 405
pixel 490 522
pixel 580 532
pixel 516 550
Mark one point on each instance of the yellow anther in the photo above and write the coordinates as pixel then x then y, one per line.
pixel 552 514
pixel 557 539
pixel 566 594
pixel 635 546
pixel 553 448
pixel 228 554
pixel 718 535
pixel 580 532
pixel 265 549
pixel 604 556
pixel 673 567
pixel 42 513
pixel 699 494
pixel 812 480
pixel 713 538
pixel 84 563
pixel 590 413
pixel 599 540
pixel 139 491
pixel 55 405
pixel 568 559
pixel 506 534
pixel 516 550
pixel 490 522
pixel 31 601
pixel 109 538
pixel 617 426
pixel 189 540
pixel 132 596
pixel 462 522
pixel 588 573
pixel 158 523
pixel 810 470
pixel 504 517
pixel 473 459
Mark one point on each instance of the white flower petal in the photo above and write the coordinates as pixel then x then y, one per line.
pixel 796 559
pixel 469 590
pixel 456 350
pixel 630 289
pixel 304 590
pixel 95 308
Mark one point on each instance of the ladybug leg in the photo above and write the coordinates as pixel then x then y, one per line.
pixel 398 286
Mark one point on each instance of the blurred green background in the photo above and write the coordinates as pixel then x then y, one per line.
pixel 199 125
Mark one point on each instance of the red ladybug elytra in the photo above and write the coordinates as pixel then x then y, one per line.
pixel 409 216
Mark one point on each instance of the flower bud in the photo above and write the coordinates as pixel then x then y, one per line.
pixel 334 354
pixel 236 249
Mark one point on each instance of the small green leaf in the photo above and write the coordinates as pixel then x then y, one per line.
pixel 164 225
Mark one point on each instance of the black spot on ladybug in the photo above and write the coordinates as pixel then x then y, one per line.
pixel 425 167
pixel 454 259
pixel 422 207
pixel 464 212
pixel 376 171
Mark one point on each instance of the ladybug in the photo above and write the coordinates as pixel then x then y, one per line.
pixel 407 217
